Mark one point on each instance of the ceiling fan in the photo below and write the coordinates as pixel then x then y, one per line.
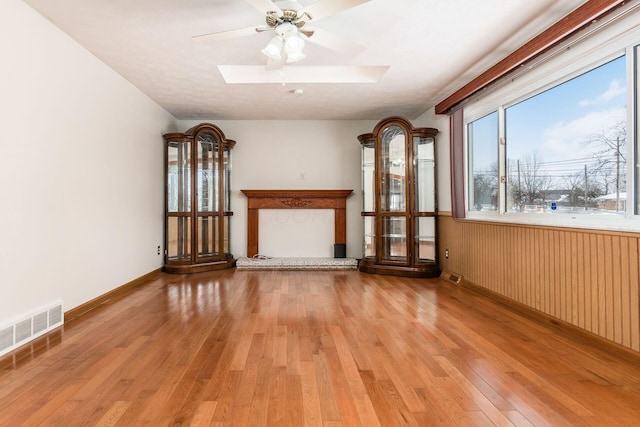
pixel 288 19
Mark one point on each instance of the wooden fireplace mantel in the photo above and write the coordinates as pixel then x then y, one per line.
pixel 295 199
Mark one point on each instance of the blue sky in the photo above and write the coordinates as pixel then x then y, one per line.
pixel 557 123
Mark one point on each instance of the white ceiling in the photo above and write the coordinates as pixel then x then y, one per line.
pixel 431 48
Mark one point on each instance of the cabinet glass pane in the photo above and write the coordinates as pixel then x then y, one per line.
pixel 424 162
pixel 394 239
pixel 227 228
pixel 178 238
pixel 208 244
pixel 226 177
pixel 369 236
pixel 207 173
pixel 178 177
pixel 393 193
pixel 368 177
pixel 426 238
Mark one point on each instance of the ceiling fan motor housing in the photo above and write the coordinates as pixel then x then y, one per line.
pixel 288 15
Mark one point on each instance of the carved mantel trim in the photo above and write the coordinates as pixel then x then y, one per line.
pixel 295 199
pixel 296 203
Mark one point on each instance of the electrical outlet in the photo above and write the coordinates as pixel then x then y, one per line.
pixel 446 253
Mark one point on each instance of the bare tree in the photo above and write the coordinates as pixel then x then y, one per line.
pixel 610 157
pixel 485 188
pixel 575 187
pixel 528 185
pixel 574 184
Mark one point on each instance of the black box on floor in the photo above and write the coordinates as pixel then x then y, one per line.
pixel 340 250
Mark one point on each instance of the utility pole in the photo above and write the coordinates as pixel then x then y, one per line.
pixel 586 187
pixel 519 188
pixel 617 173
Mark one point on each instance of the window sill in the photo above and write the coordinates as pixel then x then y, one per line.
pixel 605 222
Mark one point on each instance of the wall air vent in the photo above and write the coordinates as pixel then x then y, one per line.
pixel 55 315
pixel 40 322
pixel 23 330
pixel 6 339
pixel 31 326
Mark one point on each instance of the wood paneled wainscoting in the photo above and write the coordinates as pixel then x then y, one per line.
pixel 586 278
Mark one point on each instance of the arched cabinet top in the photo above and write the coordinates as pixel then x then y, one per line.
pixel 199 129
pixel 400 122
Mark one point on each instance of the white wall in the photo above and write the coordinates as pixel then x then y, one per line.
pixel 273 154
pixel 81 176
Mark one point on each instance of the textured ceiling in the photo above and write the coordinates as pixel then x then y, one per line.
pixel 431 48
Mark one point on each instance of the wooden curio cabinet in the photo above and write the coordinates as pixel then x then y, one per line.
pixel 197 200
pixel 399 199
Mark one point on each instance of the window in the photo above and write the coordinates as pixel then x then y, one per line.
pixel 482 135
pixel 557 144
pixel 566 147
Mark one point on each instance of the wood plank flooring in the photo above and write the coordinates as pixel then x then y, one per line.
pixel 293 348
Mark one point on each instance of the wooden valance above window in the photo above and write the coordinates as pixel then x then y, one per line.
pixel 583 16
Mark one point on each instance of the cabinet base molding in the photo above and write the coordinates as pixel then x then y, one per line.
pixel 428 270
pixel 199 268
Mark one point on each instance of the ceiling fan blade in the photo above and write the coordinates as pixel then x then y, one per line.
pixel 223 35
pixel 331 41
pixel 264 6
pixel 307 32
pixel 325 8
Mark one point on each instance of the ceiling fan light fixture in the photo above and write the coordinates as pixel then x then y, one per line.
pixel 287 41
pixel 293 42
pixel 295 56
pixel 273 48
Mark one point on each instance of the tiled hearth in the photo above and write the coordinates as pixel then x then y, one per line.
pixel 286 263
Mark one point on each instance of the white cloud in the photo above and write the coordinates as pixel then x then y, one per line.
pixel 566 140
pixel 616 88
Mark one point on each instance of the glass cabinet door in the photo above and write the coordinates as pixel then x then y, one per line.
pixel 207 195
pixel 393 167
pixel 368 194
pixel 425 198
pixel 425 235
pixel 368 177
pixel 393 195
pixel 226 193
pixel 394 239
pixel 178 184
pixel 424 173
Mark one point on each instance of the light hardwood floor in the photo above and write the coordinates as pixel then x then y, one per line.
pixel 312 348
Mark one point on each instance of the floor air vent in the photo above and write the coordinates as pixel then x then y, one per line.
pixel 451 277
pixel 30 327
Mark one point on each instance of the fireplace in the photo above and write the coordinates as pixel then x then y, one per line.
pixel 295 199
